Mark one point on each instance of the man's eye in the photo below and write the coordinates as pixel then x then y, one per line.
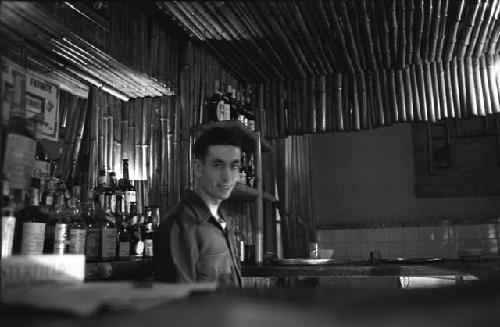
pixel 236 166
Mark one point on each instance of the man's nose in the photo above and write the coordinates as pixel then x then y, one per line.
pixel 225 174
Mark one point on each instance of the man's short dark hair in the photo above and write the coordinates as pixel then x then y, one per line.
pixel 215 136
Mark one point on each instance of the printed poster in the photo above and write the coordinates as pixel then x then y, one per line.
pixel 42 99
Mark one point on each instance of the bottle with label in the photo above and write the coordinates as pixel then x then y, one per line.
pixel 234 105
pixel 240 240
pixel 19 144
pixel 243 169
pixel 135 232
pixel 128 188
pixel 8 220
pixel 148 234
pixel 61 226
pixel 110 192
pixel 123 238
pixel 215 105
pixel 100 192
pixel 93 235
pixel 108 234
pixel 34 221
pixel 227 103
pixel 78 230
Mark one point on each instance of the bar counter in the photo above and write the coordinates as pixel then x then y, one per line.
pixel 483 268
pixel 468 305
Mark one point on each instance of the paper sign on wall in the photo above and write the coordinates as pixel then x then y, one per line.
pixel 42 98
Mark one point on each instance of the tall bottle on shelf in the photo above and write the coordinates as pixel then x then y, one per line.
pixel 8 220
pixel 148 234
pixel 78 230
pixel 33 222
pixel 93 235
pixel 215 104
pixel 108 231
pixel 128 188
pixel 61 226
pixel 19 145
pixel 123 237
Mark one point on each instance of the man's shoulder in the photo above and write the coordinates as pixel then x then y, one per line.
pixel 181 213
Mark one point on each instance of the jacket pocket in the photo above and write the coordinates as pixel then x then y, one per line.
pixel 212 267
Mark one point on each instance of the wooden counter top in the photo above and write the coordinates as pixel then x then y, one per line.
pixel 468 305
pixel 480 268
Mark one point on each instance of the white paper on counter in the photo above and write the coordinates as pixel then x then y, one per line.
pixel 86 299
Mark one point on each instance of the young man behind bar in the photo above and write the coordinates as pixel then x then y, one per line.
pixel 194 241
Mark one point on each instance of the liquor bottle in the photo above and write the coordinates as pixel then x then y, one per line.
pixel 34 221
pixel 61 226
pixel 8 220
pixel 240 240
pixel 123 238
pixel 108 235
pixel 110 192
pixel 128 188
pixel 48 194
pixel 78 231
pixel 227 103
pixel 215 105
pixel 243 169
pixel 234 105
pixel 148 234
pixel 135 232
pixel 249 111
pixel 93 236
pixel 250 170
pixel 100 188
pixel 19 145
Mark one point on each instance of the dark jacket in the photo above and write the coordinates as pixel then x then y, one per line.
pixel 191 246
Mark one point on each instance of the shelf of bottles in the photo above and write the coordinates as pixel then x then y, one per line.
pixel 233 110
pixel 104 224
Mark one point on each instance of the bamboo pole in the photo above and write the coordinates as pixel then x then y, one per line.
pixel 356 101
pixel 478 90
pixel 456 88
pixel 488 101
pixel 401 8
pixel 393 96
pixel 471 87
pixel 452 37
pixel 442 30
pixel 321 125
pixel 422 90
pixel 350 34
pixel 385 36
pixel 370 101
pixel 448 85
pixel 400 96
pixel 492 84
pixel 488 28
pixel 435 90
pixel 408 95
pixel 379 103
pixel 393 30
pixel 338 102
pixel 368 35
pixel 419 30
pixel 360 42
pixel 426 39
pixel 376 35
pixel 314 19
pixel 330 8
pixel 462 79
pixel 434 30
pixel 387 104
pixel 409 31
pixel 431 111
pixel 467 29
pixel 416 94
pixel 363 101
pixel 442 90
pixel 478 27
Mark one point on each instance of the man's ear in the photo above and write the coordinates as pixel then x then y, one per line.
pixel 197 165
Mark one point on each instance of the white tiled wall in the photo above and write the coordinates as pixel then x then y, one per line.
pixel 428 241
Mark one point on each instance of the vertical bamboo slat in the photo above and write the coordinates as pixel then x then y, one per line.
pixel 492 84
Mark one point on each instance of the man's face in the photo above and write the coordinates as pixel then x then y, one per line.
pixel 220 170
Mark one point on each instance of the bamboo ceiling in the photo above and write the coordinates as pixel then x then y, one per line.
pixel 68 51
pixel 285 40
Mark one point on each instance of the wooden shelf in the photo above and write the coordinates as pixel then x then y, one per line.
pixel 249 137
pixel 242 191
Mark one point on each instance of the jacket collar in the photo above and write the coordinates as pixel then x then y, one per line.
pixel 200 208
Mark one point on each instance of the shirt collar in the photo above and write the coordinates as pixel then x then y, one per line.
pixel 200 208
